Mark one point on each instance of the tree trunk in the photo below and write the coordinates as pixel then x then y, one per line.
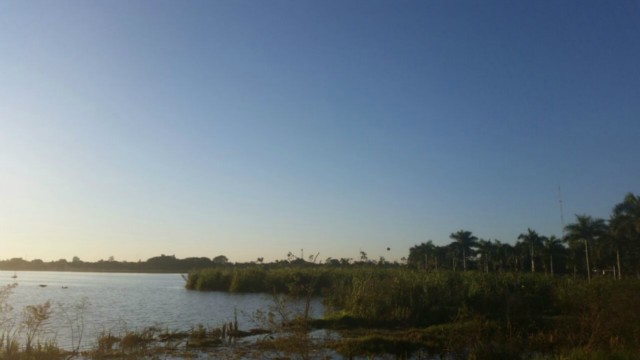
pixel 551 263
pixel 586 253
pixel 464 260
pixel 533 262
pixel 618 261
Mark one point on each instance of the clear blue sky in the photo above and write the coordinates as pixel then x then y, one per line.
pixel 254 128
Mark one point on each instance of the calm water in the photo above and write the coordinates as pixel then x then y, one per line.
pixel 117 302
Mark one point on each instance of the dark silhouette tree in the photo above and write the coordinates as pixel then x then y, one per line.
pixel 587 230
pixel 419 254
pixel 465 242
pixel 625 229
pixel 220 260
pixel 532 241
pixel 486 250
pixel 505 256
pixel 552 247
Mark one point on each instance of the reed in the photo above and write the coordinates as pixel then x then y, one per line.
pixel 480 313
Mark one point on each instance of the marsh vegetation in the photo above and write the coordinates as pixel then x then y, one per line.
pixel 404 311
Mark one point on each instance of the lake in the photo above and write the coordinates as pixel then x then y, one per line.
pixel 117 302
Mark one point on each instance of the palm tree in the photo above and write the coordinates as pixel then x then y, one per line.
pixel 501 255
pixel 440 257
pixel 533 241
pixel 585 229
pixel 625 225
pixel 419 254
pixel 507 256
pixel 486 250
pixel 602 253
pixel 551 246
pixel 465 241
pixel 451 253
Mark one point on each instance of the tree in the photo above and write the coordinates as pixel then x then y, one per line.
pixel 486 250
pixel 552 246
pixel 505 256
pixel 586 229
pixel 625 228
pixel 465 242
pixel 220 260
pixel 533 241
pixel 419 254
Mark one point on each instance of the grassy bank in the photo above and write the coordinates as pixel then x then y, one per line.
pixel 476 314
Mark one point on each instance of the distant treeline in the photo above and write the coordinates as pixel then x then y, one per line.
pixel 172 264
pixel 162 263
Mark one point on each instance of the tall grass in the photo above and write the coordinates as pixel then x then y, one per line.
pixel 521 311
pixel 259 279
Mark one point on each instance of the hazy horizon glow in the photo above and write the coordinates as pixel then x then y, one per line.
pixel 248 129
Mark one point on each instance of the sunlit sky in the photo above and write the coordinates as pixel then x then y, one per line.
pixel 254 128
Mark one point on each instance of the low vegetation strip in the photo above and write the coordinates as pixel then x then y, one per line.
pixel 248 279
pixel 521 311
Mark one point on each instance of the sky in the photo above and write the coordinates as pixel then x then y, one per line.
pixel 256 128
